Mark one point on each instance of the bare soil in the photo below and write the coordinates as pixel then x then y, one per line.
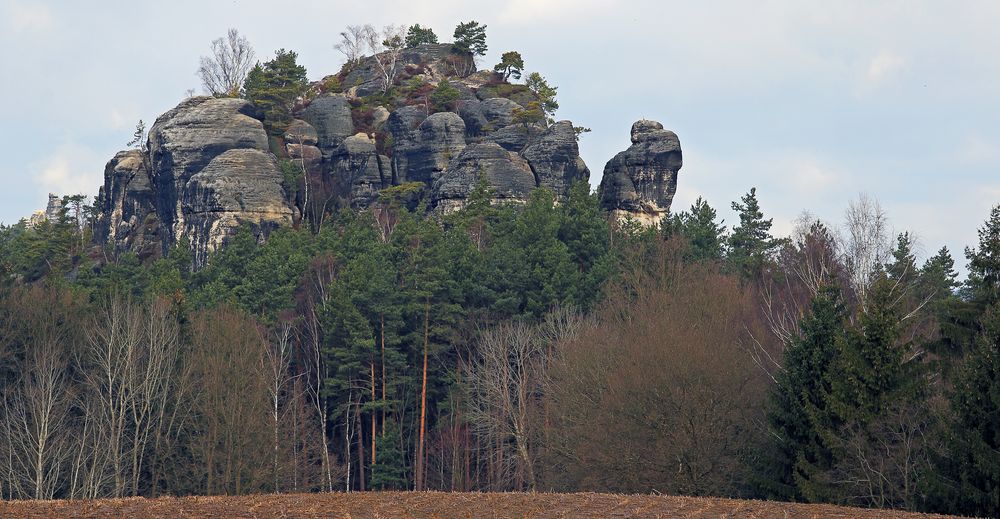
pixel 435 505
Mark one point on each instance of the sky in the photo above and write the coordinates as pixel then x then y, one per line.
pixel 811 102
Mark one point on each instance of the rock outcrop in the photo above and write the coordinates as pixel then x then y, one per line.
pixel 211 167
pixel 127 205
pixel 508 174
pixel 640 182
pixel 210 170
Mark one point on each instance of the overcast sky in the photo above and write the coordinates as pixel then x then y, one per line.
pixel 811 102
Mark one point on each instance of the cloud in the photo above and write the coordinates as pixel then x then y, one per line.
pixel 27 17
pixel 883 68
pixel 71 169
pixel 976 150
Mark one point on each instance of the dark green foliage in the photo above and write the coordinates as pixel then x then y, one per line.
pixel 698 227
pixel 984 263
pixel 470 38
pixel 274 86
pixel 511 64
pixel 751 245
pixel 444 96
pixel 389 470
pixel 545 93
pixel 800 452
pixel 416 35
pixel 971 469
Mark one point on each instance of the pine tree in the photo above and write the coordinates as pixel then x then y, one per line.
pixel 797 414
pixel 972 468
pixel 984 263
pixel 704 235
pixel 417 35
pixel 274 86
pixel 751 244
pixel 470 38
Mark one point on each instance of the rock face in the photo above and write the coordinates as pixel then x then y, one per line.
pixel 507 173
pixel 641 181
pixel 209 171
pixel 127 205
pixel 210 167
pixel 330 117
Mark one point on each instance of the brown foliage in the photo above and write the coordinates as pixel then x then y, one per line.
pixel 661 394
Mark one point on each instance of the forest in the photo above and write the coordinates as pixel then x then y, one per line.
pixel 509 347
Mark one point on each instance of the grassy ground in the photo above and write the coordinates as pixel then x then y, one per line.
pixel 435 505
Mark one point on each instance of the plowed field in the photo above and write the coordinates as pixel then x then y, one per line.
pixel 435 505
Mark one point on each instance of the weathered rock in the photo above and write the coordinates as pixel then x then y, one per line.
pixel 330 115
pixel 555 159
pixel 641 181
pixel 301 133
pixel 418 155
pixel 357 171
pixel 183 143
pixel 483 117
pixel 53 209
pixel 379 116
pixel 508 174
pixel 238 186
pixel 436 59
pixel 516 137
pixel 403 125
pixel 127 218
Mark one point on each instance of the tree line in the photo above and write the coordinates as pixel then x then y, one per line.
pixel 540 346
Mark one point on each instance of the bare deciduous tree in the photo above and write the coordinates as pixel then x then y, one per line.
pixel 353 42
pixel 224 71
pixel 867 244
pixel 386 47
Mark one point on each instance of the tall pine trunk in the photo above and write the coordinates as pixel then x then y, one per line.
pixel 419 476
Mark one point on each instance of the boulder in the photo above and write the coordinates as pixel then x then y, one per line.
pixel 418 154
pixel 127 207
pixel 184 143
pixel 330 115
pixel 301 133
pixel 238 186
pixel 555 159
pixel 507 173
pixel 641 181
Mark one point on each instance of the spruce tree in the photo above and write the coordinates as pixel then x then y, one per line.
pixel 751 244
pixel 703 233
pixel 797 415
pixel 983 282
pixel 972 469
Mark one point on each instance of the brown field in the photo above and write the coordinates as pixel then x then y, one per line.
pixel 435 505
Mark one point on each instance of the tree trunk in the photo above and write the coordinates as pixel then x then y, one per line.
pixel 419 476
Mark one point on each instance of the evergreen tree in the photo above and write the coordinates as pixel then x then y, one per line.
pixel 511 64
pixel 389 470
pixel 705 236
pixel 794 467
pixel 983 282
pixel 751 244
pixel 417 35
pixel 903 267
pixel 470 38
pixel 972 468
pixel 545 93
pixel 274 86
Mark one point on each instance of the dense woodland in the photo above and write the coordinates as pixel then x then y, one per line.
pixel 541 346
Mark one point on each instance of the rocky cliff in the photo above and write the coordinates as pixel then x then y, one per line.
pixel 210 166
pixel 640 182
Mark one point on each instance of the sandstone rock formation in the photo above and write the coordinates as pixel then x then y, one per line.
pixel 508 174
pixel 210 171
pixel 211 166
pixel 127 206
pixel 641 181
